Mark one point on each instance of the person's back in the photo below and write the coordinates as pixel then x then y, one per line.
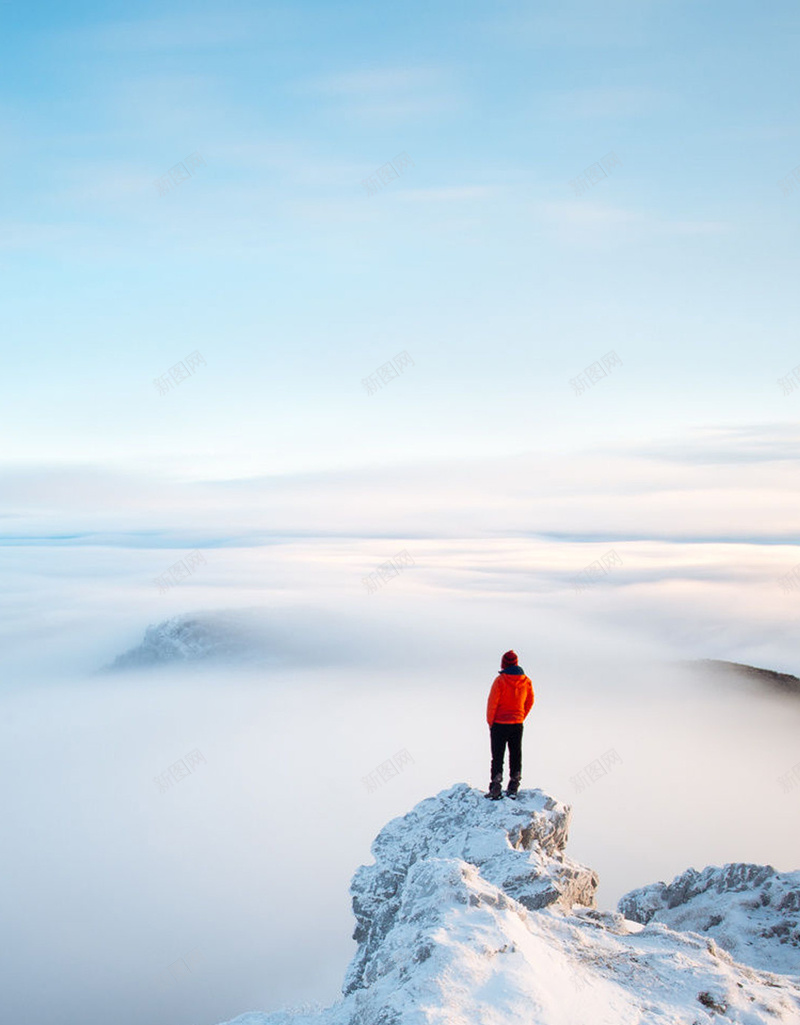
pixel 510 700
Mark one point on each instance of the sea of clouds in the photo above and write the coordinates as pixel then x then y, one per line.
pixel 128 899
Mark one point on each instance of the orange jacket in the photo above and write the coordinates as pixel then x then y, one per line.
pixel 510 699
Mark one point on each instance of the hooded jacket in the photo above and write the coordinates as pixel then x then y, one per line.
pixel 511 697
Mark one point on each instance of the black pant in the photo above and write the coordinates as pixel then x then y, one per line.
pixel 503 733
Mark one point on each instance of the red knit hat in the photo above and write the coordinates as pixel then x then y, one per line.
pixel 509 659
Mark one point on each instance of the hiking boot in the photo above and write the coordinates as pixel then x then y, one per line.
pixel 513 787
pixel 495 791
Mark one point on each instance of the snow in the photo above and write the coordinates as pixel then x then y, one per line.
pixel 750 910
pixel 473 914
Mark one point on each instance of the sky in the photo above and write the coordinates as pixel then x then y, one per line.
pixel 480 261
pixel 503 291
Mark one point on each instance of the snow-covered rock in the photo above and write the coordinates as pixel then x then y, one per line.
pixel 199 637
pixel 262 637
pixel 516 846
pixel 472 914
pixel 256 636
pixel 750 910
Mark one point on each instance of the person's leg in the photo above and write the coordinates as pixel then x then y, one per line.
pixel 498 743
pixel 514 757
pixel 498 751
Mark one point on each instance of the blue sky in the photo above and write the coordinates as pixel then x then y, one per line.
pixel 480 260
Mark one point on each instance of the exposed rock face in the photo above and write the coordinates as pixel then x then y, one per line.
pixel 472 914
pixel 517 846
pixel 750 910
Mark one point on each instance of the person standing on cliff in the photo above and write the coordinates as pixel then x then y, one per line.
pixel 510 700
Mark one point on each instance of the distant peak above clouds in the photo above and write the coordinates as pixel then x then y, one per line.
pixel 266 637
pixel 785 683
pixel 197 637
pixel 258 637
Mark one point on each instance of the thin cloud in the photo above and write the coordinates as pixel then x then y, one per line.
pixel 601 103
pixel 387 81
pixel 620 23
pixel 394 94
pixel 756 443
pixel 714 486
pixel 448 193
pixel 585 220
pixel 20 236
pixel 190 32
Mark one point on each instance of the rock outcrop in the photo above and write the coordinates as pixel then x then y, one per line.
pixel 751 911
pixel 518 847
pixel 472 914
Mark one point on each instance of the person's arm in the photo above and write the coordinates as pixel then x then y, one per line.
pixel 491 704
pixel 529 699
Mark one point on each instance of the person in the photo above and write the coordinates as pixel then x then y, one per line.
pixel 510 700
